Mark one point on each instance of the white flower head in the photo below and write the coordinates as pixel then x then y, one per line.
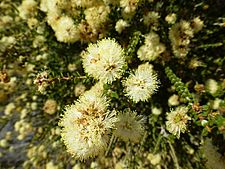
pixel 86 125
pixel 154 158
pixel 50 5
pixel 27 9
pixel 104 60
pixel 66 30
pixel 129 126
pixel 129 6
pixel 97 16
pixel 180 35
pixel 152 47
pixel 211 86
pixel 50 106
pixel 121 25
pixel 197 24
pixel 171 18
pixel 84 136
pixel 86 3
pixel 151 19
pixel 142 84
pixel 177 121
pixel 91 103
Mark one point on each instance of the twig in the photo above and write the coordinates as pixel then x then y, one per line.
pixel 173 154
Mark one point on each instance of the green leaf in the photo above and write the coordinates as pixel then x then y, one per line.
pixel 114 95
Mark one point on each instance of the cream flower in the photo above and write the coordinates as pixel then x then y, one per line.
pixel 104 60
pixel 211 86
pixel 66 30
pixel 197 24
pixel 154 158
pixel 180 36
pixel 50 106
pixel 152 47
pixel 84 136
pixel 9 108
pixel 86 124
pixel 142 84
pixel 129 126
pixel 27 9
pixel 50 5
pixel 177 121
pixel 91 103
pixel 171 18
pixel 86 3
pixel 121 25
pixel 97 16
pixel 151 19
pixel 51 165
pixel 129 5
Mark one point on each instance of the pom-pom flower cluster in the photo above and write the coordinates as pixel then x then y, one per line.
pixel 66 17
pixel 152 47
pixel 105 60
pixel 181 34
pixel 129 126
pixel 177 121
pixel 63 16
pixel 142 84
pixel 87 123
